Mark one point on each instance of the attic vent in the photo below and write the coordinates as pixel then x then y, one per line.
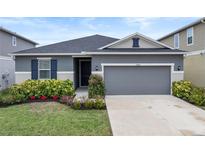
pixel 135 42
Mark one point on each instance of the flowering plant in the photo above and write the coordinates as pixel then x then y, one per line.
pixel 43 97
pixel 55 98
pixel 32 97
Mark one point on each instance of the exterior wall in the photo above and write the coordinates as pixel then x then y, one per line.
pixel 176 59
pixel 6 44
pixel 23 67
pixel 199 39
pixel 7 66
pixel 142 43
pixel 98 59
pixel 195 69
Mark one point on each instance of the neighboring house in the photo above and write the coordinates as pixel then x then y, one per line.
pixel 10 42
pixel 190 38
pixel 133 65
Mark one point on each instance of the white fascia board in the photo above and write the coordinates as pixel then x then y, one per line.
pixel 137 64
pixel 141 35
pixel 136 53
pixel 193 53
pixel 5 58
pixel 47 54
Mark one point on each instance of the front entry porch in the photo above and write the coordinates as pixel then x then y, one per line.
pixel 82 72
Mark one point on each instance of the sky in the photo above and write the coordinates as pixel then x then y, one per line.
pixel 47 30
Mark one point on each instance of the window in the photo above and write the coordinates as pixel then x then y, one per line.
pixel 44 67
pixel 135 42
pixel 13 41
pixel 190 36
pixel 176 41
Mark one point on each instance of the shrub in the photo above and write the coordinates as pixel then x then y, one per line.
pixel 197 96
pixel 99 104
pixel 185 90
pixel 96 86
pixel 39 88
pixel 89 104
pixel 82 103
pixel 6 98
pixel 77 105
pixel 182 89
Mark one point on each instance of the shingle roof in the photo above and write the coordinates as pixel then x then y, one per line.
pixel 138 50
pixel 15 34
pixel 88 43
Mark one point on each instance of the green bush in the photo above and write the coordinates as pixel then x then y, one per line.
pixel 77 105
pixel 99 104
pixel 96 87
pixel 39 88
pixel 197 96
pixel 185 90
pixel 182 89
pixel 6 98
pixel 88 104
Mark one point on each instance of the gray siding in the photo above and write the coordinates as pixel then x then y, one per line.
pixel 133 80
pixel 6 67
pixel 6 44
pixel 176 59
pixel 23 64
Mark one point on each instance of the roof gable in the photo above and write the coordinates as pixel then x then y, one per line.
pixel 144 42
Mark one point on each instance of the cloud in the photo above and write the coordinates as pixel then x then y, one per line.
pixel 141 22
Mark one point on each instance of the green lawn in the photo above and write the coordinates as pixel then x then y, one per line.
pixel 52 119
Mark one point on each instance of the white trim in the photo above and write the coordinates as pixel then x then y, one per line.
pixel 193 53
pixel 136 53
pixel 178 40
pixel 45 54
pixel 141 35
pixel 67 72
pixel 143 64
pixel 22 72
pixel 191 28
pixel 44 58
pixel 49 69
pixel 5 58
pixel 82 56
pixel 96 72
pixel 13 41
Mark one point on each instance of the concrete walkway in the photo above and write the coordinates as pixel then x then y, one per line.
pixel 161 115
pixel 82 92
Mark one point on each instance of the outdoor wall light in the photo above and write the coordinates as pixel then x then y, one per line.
pixel 96 68
pixel 179 68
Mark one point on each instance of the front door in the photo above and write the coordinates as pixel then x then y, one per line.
pixel 85 71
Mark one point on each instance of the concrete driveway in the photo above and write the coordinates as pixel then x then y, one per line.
pixel 154 115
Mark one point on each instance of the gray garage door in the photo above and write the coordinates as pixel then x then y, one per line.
pixel 142 80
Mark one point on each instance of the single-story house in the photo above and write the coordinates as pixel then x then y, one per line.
pixel 135 64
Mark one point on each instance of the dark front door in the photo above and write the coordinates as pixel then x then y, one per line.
pixel 85 71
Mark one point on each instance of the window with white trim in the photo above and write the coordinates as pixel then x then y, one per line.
pixel 44 68
pixel 190 36
pixel 13 41
pixel 176 41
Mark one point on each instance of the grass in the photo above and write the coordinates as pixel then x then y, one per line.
pixel 52 119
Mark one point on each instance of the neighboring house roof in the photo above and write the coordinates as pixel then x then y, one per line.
pixel 136 34
pixel 72 46
pixel 17 35
pixel 201 20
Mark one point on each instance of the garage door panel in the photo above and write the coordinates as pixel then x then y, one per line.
pixel 130 80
